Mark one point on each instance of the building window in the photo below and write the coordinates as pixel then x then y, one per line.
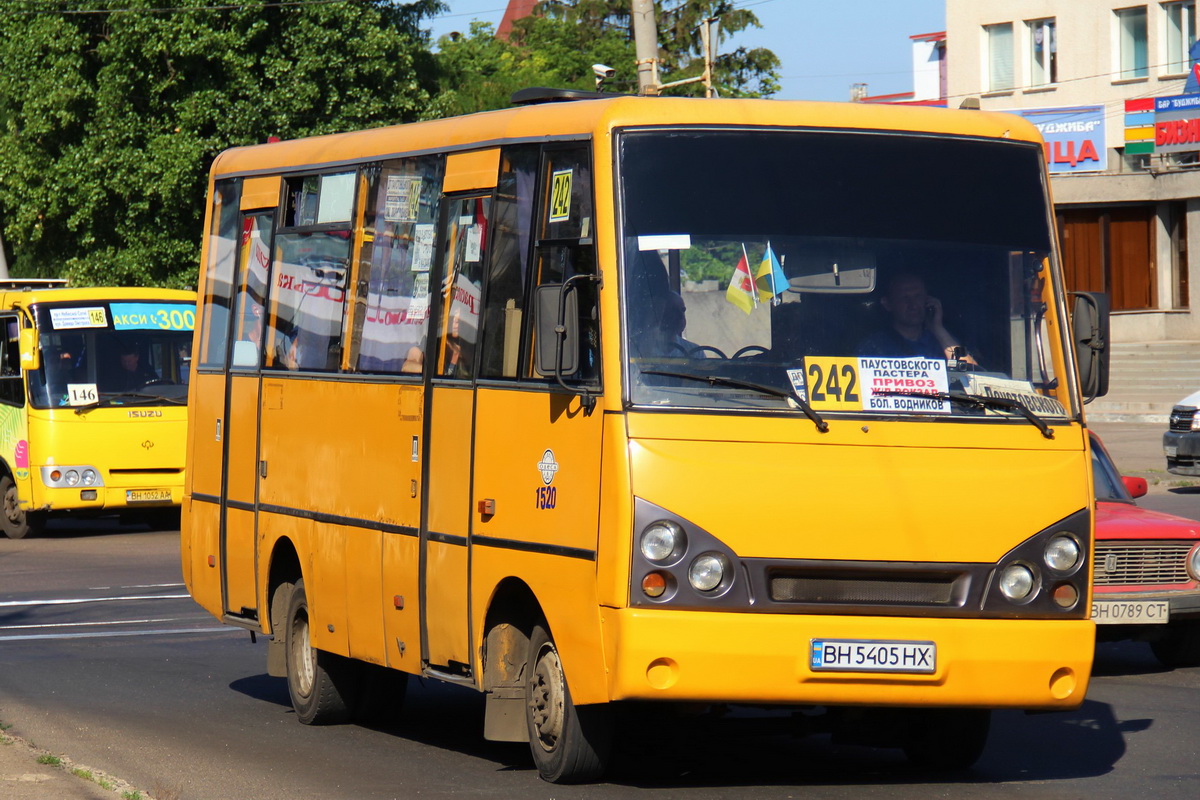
pixel 1132 48
pixel 1180 35
pixel 1043 52
pixel 999 56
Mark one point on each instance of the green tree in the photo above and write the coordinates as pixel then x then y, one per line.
pixel 558 45
pixel 111 120
pixel 739 73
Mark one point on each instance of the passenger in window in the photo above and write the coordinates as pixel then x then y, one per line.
pixel 458 350
pixel 915 327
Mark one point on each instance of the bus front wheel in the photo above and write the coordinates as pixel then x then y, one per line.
pixel 318 682
pixel 18 523
pixel 570 744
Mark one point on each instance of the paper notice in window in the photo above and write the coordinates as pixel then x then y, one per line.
pixel 422 248
pixel 474 244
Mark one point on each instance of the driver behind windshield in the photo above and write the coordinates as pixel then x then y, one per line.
pixel 130 374
pixel 915 327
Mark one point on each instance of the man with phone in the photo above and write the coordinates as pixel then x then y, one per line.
pixel 915 327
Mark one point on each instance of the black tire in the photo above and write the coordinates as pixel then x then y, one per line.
pixel 321 684
pixel 569 744
pixel 946 739
pixel 1179 647
pixel 17 522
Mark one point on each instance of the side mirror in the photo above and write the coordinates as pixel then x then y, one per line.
pixel 556 330
pixel 1135 486
pixel 1089 321
pixel 31 356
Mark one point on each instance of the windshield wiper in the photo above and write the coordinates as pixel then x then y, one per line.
pixel 976 401
pixel 718 380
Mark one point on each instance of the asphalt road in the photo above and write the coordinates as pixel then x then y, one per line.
pixel 103 658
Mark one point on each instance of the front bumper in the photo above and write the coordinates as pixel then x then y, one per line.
pixel 1186 448
pixel 657 654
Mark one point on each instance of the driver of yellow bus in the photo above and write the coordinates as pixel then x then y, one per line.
pixel 915 326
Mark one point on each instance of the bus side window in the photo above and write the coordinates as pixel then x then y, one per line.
pixel 391 314
pixel 12 390
pixel 565 248
pixel 466 241
pixel 512 218
pixel 310 273
pixel 222 258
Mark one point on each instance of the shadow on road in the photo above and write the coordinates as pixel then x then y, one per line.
pixel 752 747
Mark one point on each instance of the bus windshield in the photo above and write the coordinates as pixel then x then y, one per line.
pixel 112 354
pixel 876 273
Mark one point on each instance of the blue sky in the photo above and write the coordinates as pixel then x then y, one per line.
pixel 825 45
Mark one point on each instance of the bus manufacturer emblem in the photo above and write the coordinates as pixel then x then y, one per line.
pixel 547 466
pixel 1110 563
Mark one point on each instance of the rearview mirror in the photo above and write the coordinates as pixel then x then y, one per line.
pixel 1135 486
pixel 549 359
pixel 31 357
pixel 1089 322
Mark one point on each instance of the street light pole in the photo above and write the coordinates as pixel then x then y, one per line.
pixel 645 38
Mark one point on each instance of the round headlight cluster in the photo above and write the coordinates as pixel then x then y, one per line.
pixel 1193 563
pixel 707 572
pixel 1017 582
pixel 663 542
pixel 1062 553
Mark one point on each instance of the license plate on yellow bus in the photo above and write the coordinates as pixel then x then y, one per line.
pixel 147 495
pixel 858 655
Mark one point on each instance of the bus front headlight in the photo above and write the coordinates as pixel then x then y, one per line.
pixel 1062 553
pixel 707 572
pixel 72 477
pixel 1016 582
pixel 89 477
pixel 663 542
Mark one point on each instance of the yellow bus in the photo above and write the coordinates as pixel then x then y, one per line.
pixel 591 401
pixel 93 402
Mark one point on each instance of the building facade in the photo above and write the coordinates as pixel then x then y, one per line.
pixel 1108 84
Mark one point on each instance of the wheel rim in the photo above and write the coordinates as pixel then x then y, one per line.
pixel 547 698
pixel 303 668
pixel 12 509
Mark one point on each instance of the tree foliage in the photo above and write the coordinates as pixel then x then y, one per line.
pixel 741 72
pixel 109 121
pixel 559 43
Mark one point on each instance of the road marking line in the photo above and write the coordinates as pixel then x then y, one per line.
pixel 162 632
pixel 90 624
pixel 66 601
pixel 135 586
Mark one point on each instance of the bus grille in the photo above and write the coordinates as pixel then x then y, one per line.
pixel 1181 419
pixel 1141 563
pixel 934 591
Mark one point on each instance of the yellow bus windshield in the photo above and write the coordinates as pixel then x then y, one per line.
pixel 112 353
pixel 865 273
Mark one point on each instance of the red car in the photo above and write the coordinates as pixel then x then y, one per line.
pixel 1147 569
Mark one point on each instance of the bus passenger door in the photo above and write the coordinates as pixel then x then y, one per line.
pixel 449 431
pixel 238 526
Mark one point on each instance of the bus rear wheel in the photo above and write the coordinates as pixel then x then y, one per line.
pixel 319 683
pixel 17 522
pixel 569 744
